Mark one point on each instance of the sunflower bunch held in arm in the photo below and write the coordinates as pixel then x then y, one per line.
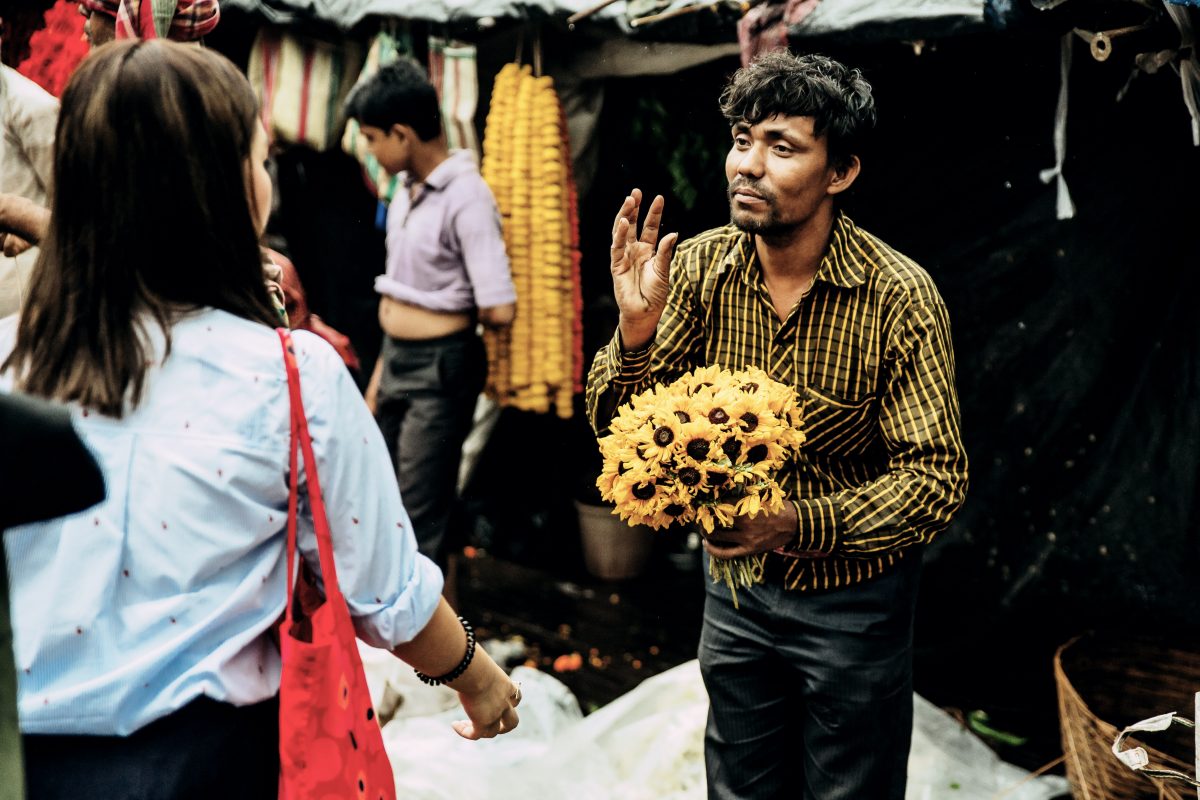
pixel 703 450
pixel 536 364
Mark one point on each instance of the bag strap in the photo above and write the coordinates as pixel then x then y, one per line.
pixel 302 441
pixel 1137 759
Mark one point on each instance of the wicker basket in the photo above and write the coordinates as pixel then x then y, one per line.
pixel 1105 685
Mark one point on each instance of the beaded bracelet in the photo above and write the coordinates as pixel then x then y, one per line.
pixel 462 665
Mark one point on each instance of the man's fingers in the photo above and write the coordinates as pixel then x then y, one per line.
pixel 623 214
pixel 653 220
pixel 662 259
pixel 617 253
pixel 635 209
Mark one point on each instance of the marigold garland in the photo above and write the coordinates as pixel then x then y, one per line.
pixel 703 450
pixel 537 364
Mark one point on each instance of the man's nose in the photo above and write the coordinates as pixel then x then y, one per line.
pixel 751 162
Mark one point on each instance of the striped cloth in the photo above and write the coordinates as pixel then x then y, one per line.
pixel 869 352
pixel 180 20
pixel 453 72
pixel 301 84
pixel 385 48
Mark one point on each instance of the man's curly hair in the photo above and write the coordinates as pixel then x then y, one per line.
pixel 836 97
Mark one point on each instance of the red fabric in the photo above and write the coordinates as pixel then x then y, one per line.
pixel 330 744
pixel 764 27
pixel 299 316
pixel 192 20
pixel 55 50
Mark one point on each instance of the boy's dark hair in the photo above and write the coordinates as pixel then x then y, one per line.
pixel 398 94
pixel 836 97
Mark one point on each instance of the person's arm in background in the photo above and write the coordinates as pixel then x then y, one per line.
pixel 32 119
pixel 477 229
pixel 22 223
pixel 47 470
pixel 393 592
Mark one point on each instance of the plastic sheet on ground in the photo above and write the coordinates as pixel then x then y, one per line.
pixel 646 745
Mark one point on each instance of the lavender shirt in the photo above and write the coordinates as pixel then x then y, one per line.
pixel 445 251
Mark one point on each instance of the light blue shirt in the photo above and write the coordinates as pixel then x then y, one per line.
pixel 130 610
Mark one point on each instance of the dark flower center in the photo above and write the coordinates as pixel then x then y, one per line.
pixel 750 388
pixel 700 386
pixel 757 453
pixel 749 422
pixel 717 479
pixel 689 476
pixel 731 448
pixel 663 436
pixel 683 416
pixel 674 510
pixel 698 449
pixel 644 491
pixel 718 416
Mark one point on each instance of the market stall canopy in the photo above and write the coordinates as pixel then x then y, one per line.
pixel 346 14
pixel 827 17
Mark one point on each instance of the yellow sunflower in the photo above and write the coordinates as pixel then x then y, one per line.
pixel 664 441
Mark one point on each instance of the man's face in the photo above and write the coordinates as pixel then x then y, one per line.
pixel 390 147
pixel 98 29
pixel 779 175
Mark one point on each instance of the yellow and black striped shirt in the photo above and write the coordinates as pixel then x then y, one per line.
pixel 869 351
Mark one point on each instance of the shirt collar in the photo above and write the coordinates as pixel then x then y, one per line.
pixel 844 263
pixel 459 162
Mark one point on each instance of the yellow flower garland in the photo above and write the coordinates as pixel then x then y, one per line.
pixel 536 364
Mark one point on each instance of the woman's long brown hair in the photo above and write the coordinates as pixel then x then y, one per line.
pixel 150 219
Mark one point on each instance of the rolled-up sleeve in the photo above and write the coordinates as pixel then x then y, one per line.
pixel 391 589
pixel 477 227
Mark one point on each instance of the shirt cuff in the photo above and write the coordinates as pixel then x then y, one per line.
pixel 817 524
pixel 629 367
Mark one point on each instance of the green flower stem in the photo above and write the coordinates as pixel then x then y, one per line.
pixel 743 571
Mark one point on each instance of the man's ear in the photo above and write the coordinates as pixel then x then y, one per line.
pixel 844 176
pixel 403 133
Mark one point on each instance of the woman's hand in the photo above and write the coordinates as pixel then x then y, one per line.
pixel 490 699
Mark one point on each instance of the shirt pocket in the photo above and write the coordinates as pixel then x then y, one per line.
pixel 838 426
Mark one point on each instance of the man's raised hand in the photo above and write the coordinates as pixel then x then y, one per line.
pixel 641 266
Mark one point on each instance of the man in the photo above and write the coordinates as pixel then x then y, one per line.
pixel 181 21
pixel 28 114
pixel 810 682
pixel 446 271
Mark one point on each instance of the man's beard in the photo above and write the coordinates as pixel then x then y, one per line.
pixel 771 225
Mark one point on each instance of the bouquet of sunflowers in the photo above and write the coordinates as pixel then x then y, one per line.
pixel 703 450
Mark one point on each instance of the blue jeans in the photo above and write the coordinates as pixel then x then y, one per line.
pixel 810 694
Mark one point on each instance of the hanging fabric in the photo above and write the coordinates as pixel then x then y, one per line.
pixel 453 72
pixel 1064 207
pixel 301 84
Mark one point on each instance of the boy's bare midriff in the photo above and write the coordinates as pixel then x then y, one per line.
pixel 402 320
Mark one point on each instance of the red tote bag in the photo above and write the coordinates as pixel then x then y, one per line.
pixel 330 744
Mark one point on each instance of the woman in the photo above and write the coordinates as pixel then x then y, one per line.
pixel 141 627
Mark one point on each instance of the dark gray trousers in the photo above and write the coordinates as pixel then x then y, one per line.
pixel 426 402
pixel 810 694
